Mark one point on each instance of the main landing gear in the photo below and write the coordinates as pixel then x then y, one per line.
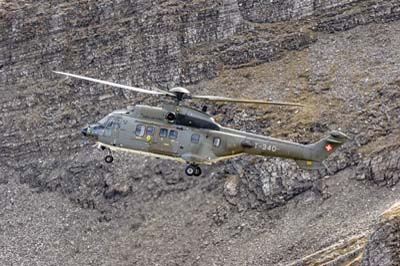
pixel 193 169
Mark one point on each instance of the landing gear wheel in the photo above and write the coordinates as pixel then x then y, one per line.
pixel 197 171
pixel 109 159
pixel 190 170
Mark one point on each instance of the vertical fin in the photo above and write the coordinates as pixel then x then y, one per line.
pixel 326 146
pixel 322 149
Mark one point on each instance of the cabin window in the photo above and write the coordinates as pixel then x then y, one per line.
pixel 163 132
pixel 195 138
pixel 140 130
pixel 173 134
pixel 217 142
pixel 150 131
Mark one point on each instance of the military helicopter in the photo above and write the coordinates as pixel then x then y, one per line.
pixel 191 136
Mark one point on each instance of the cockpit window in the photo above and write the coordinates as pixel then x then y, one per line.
pixel 104 120
pixel 116 123
pixel 110 123
pixel 98 129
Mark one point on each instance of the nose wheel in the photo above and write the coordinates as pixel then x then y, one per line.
pixel 109 159
pixel 193 170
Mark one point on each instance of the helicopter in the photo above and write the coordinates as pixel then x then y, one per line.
pixel 192 136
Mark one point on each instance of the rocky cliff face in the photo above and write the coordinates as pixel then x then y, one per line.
pixel 283 50
pixel 383 247
pixel 380 248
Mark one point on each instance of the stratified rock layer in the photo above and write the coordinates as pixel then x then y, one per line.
pixel 347 80
pixel 383 247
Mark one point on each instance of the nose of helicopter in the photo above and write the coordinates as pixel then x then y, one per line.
pixel 92 131
pixel 84 131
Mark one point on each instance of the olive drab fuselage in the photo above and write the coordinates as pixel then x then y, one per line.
pixel 172 132
pixel 192 136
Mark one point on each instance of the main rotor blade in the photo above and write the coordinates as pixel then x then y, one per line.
pixel 158 92
pixel 234 100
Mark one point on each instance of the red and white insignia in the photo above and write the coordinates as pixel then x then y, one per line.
pixel 328 147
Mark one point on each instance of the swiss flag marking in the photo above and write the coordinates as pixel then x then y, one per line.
pixel 328 147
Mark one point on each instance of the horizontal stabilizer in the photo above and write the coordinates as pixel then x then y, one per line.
pixel 337 137
pixel 309 165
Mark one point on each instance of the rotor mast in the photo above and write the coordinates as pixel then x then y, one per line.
pixel 179 94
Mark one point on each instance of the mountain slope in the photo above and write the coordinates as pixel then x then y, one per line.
pixel 340 58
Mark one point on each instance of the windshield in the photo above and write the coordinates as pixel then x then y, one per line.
pixel 103 121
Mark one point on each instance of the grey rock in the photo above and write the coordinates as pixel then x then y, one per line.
pixel 383 245
pixel 382 167
pixel 50 168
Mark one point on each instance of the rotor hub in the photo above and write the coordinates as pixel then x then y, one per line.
pixel 179 90
pixel 179 93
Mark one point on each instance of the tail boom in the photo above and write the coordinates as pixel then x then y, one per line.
pixel 308 157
